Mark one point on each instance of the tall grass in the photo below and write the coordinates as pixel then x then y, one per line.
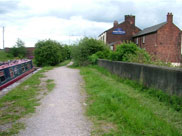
pixel 128 110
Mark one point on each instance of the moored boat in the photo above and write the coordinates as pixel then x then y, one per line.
pixel 12 71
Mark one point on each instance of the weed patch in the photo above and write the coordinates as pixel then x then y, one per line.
pixel 50 84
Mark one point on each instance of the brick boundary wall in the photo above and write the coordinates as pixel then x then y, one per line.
pixel 167 79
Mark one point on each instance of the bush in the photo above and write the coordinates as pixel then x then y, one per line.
pixel 93 59
pixel 123 51
pixel 103 54
pixel 85 48
pixel 130 52
pixel 140 56
pixel 48 52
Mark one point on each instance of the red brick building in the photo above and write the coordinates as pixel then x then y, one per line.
pixel 120 32
pixel 162 40
pixel 29 52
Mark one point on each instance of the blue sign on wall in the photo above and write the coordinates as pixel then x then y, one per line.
pixel 119 31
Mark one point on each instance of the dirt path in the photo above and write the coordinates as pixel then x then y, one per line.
pixel 61 111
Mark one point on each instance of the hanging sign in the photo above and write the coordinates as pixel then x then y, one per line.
pixel 119 31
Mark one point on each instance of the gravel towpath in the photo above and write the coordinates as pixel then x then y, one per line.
pixel 61 112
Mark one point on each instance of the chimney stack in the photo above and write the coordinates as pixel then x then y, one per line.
pixel 169 18
pixel 115 23
pixel 130 19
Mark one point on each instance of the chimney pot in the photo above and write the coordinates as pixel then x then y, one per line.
pixel 115 23
pixel 130 19
pixel 169 18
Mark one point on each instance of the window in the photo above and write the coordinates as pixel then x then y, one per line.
pixel 143 40
pixel 11 72
pixel 2 77
pixel 112 48
pixel 16 70
pixel 23 68
pixel 136 40
pixel 29 66
pixel 26 67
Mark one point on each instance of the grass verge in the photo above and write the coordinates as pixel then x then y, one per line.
pixel 19 102
pixel 64 63
pixel 23 100
pixel 173 101
pixel 121 109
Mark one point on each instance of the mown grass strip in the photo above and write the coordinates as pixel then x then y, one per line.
pixel 131 112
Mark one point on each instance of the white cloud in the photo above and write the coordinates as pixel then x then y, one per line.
pixel 63 30
pixel 67 21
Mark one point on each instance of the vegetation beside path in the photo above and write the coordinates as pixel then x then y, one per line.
pixel 117 108
pixel 23 100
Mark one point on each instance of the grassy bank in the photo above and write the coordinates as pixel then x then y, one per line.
pixel 117 108
pixel 4 56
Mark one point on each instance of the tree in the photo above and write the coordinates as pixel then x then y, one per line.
pixel 18 49
pixel 85 48
pixel 48 52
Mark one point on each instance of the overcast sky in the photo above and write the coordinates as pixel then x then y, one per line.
pixel 69 20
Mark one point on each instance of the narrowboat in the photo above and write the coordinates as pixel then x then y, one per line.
pixel 12 71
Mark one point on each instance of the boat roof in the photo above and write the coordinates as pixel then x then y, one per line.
pixel 11 63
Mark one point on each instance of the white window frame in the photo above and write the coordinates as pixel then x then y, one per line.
pixel 137 40
pixel 143 39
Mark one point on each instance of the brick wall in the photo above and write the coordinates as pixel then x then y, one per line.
pixel 29 53
pixel 150 44
pixel 165 44
pixel 128 26
pixel 169 43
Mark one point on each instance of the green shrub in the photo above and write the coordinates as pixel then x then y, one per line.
pixel 103 54
pixel 130 52
pixel 48 52
pixel 123 51
pixel 85 48
pixel 93 59
pixel 140 56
